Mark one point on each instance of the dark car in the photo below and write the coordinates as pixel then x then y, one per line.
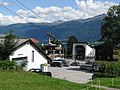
pixel 35 70
pixel 39 71
pixel 85 67
pixel 94 68
pixel 59 63
pixel 56 64
pixel 66 64
pixel 89 67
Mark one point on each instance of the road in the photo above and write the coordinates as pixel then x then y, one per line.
pixel 71 73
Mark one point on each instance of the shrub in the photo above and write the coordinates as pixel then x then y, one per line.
pixel 102 75
pixel 110 68
pixel 7 64
pixel 116 52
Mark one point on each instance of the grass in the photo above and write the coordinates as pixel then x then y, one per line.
pixel 19 80
pixel 109 82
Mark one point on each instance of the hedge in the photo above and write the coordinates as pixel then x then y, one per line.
pixel 102 75
pixel 7 64
pixel 108 69
pixel 112 68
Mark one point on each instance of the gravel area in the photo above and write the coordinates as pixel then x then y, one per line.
pixel 71 73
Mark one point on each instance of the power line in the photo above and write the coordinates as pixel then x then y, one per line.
pixel 16 3
pixel 18 15
pixel 14 12
pixel 28 8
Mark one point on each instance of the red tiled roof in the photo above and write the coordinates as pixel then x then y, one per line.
pixel 34 40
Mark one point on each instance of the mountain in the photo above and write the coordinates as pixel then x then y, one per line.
pixel 87 30
pixel 57 22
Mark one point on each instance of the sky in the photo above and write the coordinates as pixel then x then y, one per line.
pixel 13 11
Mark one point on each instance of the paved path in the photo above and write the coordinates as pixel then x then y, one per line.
pixel 106 88
pixel 71 73
pixel 74 74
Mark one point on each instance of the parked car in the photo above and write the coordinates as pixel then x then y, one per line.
pixel 56 64
pixel 35 70
pixel 89 62
pixel 59 63
pixel 39 71
pixel 91 68
pixel 94 68
pixel 85 67
pixel 75 64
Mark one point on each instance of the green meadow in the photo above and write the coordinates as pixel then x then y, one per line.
pixel 20 80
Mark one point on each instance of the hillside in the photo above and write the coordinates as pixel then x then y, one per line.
pixel 84 29
pixel 12 80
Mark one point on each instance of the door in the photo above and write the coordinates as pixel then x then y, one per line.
pixel 21 61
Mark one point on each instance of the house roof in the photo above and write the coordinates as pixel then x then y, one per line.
pixel 22 42
pixel 34 40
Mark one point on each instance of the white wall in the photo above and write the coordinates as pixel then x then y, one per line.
pixel 26 51
pixel 88 50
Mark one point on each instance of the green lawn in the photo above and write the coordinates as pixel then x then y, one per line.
pixel 14 80
pixel 115 82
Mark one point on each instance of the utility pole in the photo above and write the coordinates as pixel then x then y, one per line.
pixel 50 36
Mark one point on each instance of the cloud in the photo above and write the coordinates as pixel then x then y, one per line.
pixel 51 14
pixel 8 19
pixel 87 9
pixel 93 8
pixel 5 3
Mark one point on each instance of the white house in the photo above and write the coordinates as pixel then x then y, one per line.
pixel 28 52
pixel 82 51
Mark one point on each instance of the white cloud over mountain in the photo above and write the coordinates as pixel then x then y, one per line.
pixel 92 8
pixel 87 8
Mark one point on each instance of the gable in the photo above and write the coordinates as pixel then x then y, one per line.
pixel 27 45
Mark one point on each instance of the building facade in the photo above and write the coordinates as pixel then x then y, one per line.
pixel 82 51
pixel 54 51
pixel 30 54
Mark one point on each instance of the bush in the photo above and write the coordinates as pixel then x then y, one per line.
pixel 116 52
pixel 110 68
pixel 103 75
pixel 7 64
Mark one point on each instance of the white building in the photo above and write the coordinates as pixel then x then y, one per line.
pixel 27 52
pixel 82 51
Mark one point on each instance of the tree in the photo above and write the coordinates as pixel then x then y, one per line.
pixel 71 40
pixel 6 47
pixel 55 41
pixel 110 29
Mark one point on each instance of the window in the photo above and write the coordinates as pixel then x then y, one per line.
pixel 20 54
pixel 32 56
